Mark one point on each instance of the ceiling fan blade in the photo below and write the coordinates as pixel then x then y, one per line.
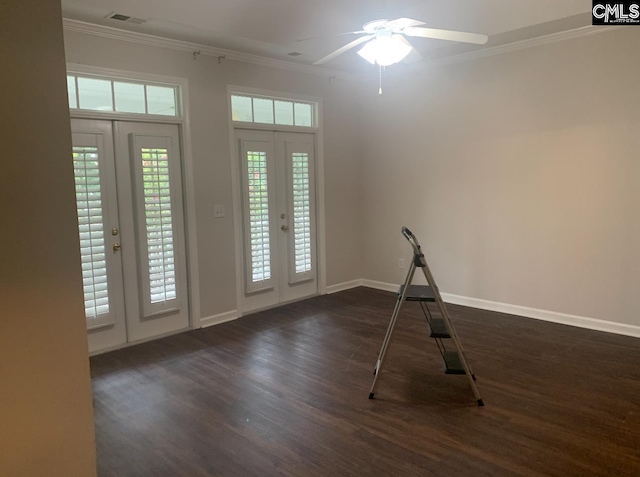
pixel 476 38
pixel 331 36
pixel 402 23
pixel 344 49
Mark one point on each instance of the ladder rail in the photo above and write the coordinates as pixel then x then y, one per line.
pixel 387 339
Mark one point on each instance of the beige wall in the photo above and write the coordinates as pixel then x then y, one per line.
pixel 524 176
pixel 46 425
pixel 208 82
pixel 520 174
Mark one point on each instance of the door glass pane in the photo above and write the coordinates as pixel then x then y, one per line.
pixel 95 94
pixel 86 170
pixel 161 100
pixel 159 225
pixel 263 110
pixel 284 112
pixel 129 97
pixel 71 91
pixel 258 216
pixel 241 109
pixel 301 211
pixel 303 114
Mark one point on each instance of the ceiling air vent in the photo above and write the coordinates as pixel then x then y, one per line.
pixel 294 53
pixel 125 18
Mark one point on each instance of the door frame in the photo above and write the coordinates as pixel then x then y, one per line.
pixel 188 187
pixel 237 186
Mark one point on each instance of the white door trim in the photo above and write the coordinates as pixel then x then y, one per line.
pixel 188 182
pixel 237 193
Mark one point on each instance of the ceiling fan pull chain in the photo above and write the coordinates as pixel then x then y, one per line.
pixel 380 89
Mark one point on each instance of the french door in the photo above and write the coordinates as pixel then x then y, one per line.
pixel 278 217
pixel 130 218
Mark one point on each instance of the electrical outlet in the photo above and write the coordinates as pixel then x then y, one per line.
pixel 401 263
pixel 218 211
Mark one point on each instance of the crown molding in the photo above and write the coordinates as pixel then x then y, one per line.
pixel 179 45
pixel 522 45
pixel 500 50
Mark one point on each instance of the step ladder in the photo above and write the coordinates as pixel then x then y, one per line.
pixel 440 329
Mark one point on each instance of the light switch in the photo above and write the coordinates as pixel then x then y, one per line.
pixel 218 211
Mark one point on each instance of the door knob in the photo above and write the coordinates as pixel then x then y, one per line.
pixel 284 228
pixel 116 247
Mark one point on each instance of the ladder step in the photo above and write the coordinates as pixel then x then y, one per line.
pixel 437 329
pixel 452 363
pixel 417 293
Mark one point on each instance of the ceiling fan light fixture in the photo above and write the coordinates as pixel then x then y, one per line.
pixel 386 50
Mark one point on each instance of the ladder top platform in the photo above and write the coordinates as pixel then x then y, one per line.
pixel 418 293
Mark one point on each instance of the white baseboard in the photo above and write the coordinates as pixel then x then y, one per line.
pixel 524 311
pixel 343 286
pixel 545 315
pixel 390 287
pixel 516 310
pixel 361 283
pixel 220 318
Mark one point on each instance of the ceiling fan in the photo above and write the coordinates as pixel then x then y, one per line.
pixel 386 43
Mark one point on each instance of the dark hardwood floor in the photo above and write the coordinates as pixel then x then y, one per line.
pixel 285 392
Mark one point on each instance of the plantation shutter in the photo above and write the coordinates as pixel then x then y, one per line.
pixel 300 197
pixel 154 172
pixel 258 197
pixel 91 206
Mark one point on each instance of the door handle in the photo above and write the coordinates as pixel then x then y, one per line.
pixel 284 228
pixel 116 247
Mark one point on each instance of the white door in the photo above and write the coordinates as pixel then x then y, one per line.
pixel 98 223
pixel 278 217
pixel 139 226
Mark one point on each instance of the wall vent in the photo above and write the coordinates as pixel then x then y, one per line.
pixel 125 18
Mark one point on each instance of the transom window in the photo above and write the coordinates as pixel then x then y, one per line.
pixel 93 93
pixel 246 108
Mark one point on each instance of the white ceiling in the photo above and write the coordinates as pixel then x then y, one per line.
pixel 271 27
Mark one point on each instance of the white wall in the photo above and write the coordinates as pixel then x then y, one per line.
pixel 46 420
pixel 520 174
pixel 208 82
